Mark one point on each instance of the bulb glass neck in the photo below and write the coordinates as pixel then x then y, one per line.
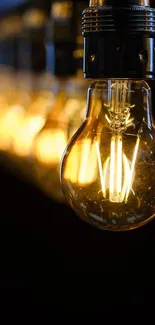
pixel 116 103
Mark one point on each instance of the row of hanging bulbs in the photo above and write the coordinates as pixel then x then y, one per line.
pixel 44 110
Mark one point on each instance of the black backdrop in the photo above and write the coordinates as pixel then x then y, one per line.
pixel 49 257
pixel 53 264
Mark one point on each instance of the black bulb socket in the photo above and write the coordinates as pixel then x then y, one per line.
pixel 119 39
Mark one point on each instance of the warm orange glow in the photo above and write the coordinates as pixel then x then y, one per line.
pixel 62 123
pixel 50 145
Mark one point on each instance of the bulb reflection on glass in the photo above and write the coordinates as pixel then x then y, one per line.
pixel 107 171
pixel 81 155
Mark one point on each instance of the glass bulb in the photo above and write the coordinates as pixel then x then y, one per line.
pixel 108 168
pixel 64 119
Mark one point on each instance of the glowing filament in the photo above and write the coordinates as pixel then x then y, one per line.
pixel 102 178
pixel 118 172
pixel 112 169
pixel 132 169
pixel 119 165
pixel 115 168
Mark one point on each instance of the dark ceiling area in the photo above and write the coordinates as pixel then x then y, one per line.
pixel 10 6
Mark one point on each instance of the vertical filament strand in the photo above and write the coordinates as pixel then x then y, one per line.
pixel 112 168
pixel 100 169
pixel 119 166
pixel 132 169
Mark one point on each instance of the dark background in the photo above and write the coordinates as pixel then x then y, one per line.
pixel 52 263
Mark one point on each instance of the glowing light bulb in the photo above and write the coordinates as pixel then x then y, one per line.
pixel 62 122
pixel 107 170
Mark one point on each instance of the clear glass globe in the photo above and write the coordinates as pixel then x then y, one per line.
pixel 108 168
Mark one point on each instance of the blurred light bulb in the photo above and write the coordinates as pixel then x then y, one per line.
pixel 9 123
pixel 34 18
pixel 50 146
pixel 62 122
pixel 107 171
pixel 32 123
pixel 12 109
